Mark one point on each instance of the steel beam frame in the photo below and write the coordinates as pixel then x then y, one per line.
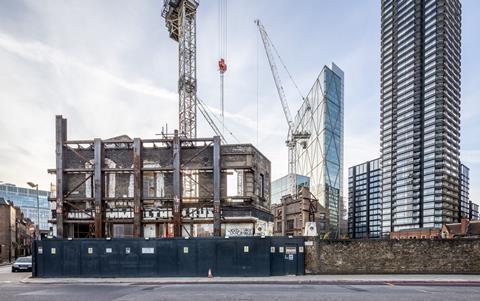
pixel 61 137
pixel 98 179
pixel 177 187
pixel 137 190
pixel 186 158
pixel 216 187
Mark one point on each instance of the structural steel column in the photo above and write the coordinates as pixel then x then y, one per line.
pixel 137 190
pixel 98 188
pixel 177 187
pixel 61 137
pixel 216 186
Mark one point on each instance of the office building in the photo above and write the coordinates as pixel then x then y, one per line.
pixel 321 157
pixel 364 200
pixel 280 187
pixel 420 113
pixel 26 200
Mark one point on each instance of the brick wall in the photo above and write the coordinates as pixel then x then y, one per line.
pixel 7 234
pixel 392 256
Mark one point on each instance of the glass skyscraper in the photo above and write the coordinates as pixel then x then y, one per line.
pixel 26 199
pixel 364 200
pixel 321 157
pixel 420 113
pixel 281 187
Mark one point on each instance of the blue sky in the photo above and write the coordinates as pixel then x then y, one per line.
pixel 111 69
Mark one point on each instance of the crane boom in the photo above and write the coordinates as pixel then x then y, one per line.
pixel 292 136
pixel 276 77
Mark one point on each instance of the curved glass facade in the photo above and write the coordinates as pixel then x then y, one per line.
pixel 321 157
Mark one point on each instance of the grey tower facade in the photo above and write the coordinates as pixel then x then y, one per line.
pixel 464 197
pixel 420 113
pixel 364 200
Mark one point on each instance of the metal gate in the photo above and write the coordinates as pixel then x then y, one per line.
pixel 168 257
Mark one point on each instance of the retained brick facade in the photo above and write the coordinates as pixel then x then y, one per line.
pixel 291 215
pixel 15 237
pixel 416 256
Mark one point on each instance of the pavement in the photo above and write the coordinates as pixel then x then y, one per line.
pixel 431 280
pixel 6 275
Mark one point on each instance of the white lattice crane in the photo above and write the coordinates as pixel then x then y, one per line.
pixel 180 19
pixel 294 136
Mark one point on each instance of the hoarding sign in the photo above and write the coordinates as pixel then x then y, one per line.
pixel 238 230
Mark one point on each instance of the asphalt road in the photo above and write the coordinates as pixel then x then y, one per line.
pixel 11 288
pixel 213 292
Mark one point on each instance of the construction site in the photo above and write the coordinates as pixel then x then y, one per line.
pixel 182 185
pixel 173 186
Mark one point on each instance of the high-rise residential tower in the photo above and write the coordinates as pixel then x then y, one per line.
pixel 321 157
pixel 364 200
pixel 420 113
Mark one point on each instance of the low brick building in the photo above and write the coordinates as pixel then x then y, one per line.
pixel 291 215
pixel 464 229
pixel 15 235
pixel 420 233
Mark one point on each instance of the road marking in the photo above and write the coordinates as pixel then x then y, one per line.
pixel 423 291
pixel 389 284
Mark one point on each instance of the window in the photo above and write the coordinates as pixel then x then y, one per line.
pixel 262 186
pixel 122 230
pixel 290 224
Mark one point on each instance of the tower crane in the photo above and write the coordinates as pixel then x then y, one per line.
pixel 294 135
pixel 180 19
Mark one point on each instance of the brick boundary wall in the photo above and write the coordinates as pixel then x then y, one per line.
pixel 420 256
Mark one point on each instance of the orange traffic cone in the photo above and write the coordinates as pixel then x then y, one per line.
pixel 210 273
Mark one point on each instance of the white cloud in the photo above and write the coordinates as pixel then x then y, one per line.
pixel 41 53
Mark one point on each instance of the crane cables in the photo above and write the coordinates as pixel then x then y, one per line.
pixel 208 113
pixel 285 67
pixel 293 81
pixel 222 52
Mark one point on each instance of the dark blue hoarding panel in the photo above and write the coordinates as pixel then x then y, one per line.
pixel 170 257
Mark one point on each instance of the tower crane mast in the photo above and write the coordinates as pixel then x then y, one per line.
pixel 180 19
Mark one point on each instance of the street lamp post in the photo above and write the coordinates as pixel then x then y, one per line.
pixel 33 185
